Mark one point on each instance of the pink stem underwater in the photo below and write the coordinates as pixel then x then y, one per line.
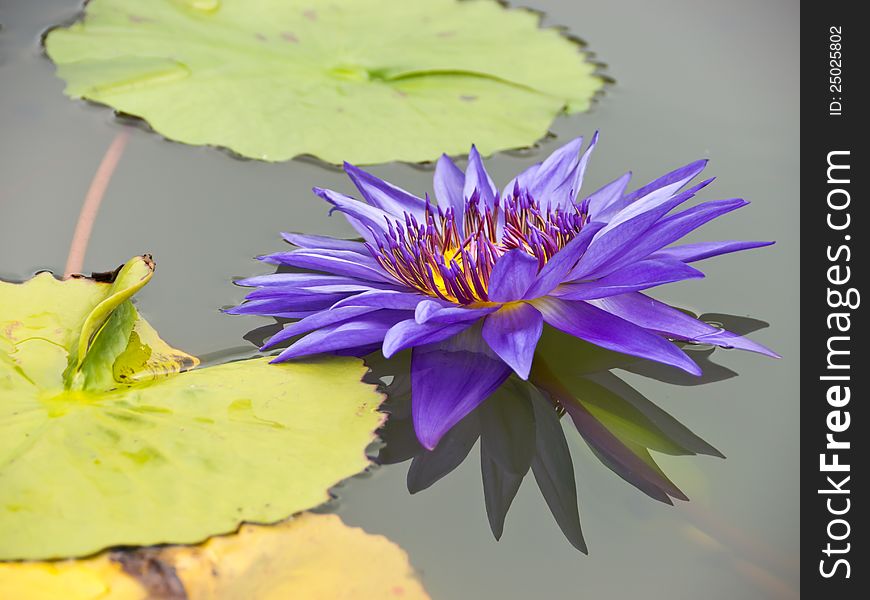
pixel 79 246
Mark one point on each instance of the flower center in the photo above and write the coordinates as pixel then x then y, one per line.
pixel 452 260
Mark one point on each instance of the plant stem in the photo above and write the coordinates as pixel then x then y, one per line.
pixel 79 246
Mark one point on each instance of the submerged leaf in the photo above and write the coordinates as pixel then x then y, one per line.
pixel 365 81
pixel 124 449
pixel 311 556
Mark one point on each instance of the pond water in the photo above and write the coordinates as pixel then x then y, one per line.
pixel 693 79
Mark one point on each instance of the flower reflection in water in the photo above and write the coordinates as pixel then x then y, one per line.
pixel 520 431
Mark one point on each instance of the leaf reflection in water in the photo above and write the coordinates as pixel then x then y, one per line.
pixel 520 429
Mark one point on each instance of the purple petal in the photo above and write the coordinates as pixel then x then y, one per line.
pixel 560 177
pixel 370 222
pixel 338 262
pixel 558 267
pixel 553 178
pixel 316 321
pixel 512 276
pixel 665 185
pixel 432 311
pixel 449 380
pixel 603 198
pixel 669 230
pixel 666 320
pixel 513 333
pixel 410 333
pixel 285 306
pixel 617 237
pixel 601 328
pixel 363 331
pixel 383 195
pixel 523 181
pixel 580 171
pixel 448 182
pixel 383 299
pixel 273 291
pixel 322 241
pixel 636 276
pixel 692 252
pixel 476 178
pixel 293 279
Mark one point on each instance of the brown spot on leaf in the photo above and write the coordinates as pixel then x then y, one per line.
pixel 310 14
pixel 467 98
pixel 260 37
pixel 289 36
pixel 156 576
pixel 445 34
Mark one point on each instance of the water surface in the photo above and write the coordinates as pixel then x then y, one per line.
pixel 715 79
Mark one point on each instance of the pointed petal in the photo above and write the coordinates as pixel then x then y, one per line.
pixel 370 222
pixel 476 178
pixel 558 267
pixel 554 470
pixel 601 199
pixel 665 185
pixel 554 177
pixel 383 299
pixel 512 276
pixel 616 238
pixel 432 311
pixel 322 241
pixel 500 487
pixel 523 180
pixel 449 380
pixel 305 280
pixel 276 291
pixel 507 427
pixel 618 456
pixel 666 320
pixel 431 465
pixel 286 306
pixel 449 181
pixel 383 195
pixel 636 276
pixel 360 332
pixel 596 326
pixel 670 229
pixel 700 251
pixel 409 333
pixel 507 447
pixel 513 333
pixel 338 262
pixel 316 321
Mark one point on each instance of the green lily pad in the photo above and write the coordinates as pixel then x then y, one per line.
pixel 106 440
pixel 367 81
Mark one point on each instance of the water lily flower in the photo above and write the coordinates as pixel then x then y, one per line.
pixel 470 280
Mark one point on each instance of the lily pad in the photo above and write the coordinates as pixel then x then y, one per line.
pixel 367 81
pixel 105 441
pixel 312 556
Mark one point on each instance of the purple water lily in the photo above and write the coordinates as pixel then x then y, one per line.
pixel 470 282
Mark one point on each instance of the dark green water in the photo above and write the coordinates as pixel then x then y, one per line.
pixel 694 79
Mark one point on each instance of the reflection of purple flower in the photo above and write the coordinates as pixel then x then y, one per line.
pixel 470 282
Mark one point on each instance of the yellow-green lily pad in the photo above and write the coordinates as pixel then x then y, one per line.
pixel 311 556
pixel 106 439
pixel 367 81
